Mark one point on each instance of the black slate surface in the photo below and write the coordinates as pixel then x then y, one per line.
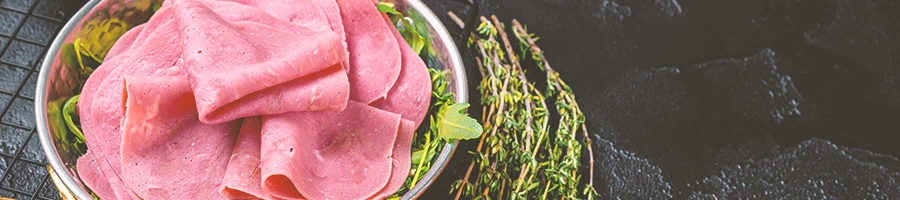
pixel 26 29
pixel 700 99
pixel 724 99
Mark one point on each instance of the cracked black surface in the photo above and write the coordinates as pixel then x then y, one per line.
pixel 724 99
pixel 685 99
pixel 26 29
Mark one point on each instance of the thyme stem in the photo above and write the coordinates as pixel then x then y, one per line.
pixel 515 113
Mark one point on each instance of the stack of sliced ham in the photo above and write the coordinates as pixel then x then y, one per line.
pixel 254 99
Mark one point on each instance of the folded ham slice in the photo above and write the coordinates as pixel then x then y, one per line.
pixel 242 50
pixel 323 90
pixel 411 94
pixel 154 52
pixel 374 53
pixel 242 177
pixel 328 155
pixel 125 41
pixel 243 99
pixel 166 152
pixel 90 174
pixel 400 159
pixel 333 12
pixel 299 12
pixel 409 97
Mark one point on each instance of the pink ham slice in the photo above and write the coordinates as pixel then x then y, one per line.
pixel 166 152
pixel 289 67
pixel 400 160
pixel 89 173
pixel 101 109
pixel 242 177
pixel 328 155
pixel 333 12
pixel 230 55
pixel 125 41
pixel 409 97
pixel 411 94
pixel 374 53
pixel 323 90
pixel 122 46
pixel 299 11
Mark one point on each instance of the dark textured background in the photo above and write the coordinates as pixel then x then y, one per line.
pixel 724 99
pixel 26 29
pixel 700 99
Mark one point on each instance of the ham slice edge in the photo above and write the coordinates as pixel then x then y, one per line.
pixel 328 155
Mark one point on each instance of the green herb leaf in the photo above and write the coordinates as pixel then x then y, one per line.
pixel 420 26
pixel 55 119
pixel 387 8
pixel 68 112
pixel 455 124
pixel 408 27
pixel 417 155
pixel 60 119
pixel 413 38
pixel 155 6
pixel 68 55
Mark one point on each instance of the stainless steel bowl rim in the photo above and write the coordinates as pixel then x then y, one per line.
pixel 69 181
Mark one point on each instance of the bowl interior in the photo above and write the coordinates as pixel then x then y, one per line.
pixel 58 79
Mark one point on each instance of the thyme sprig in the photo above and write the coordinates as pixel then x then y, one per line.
pixel 519 158
pixel 571 119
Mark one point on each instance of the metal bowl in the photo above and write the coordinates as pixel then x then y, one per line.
pixel 57 81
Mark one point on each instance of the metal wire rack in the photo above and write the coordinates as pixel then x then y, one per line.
pixel 26 29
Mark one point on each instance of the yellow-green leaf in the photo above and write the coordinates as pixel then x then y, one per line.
pixel 455 124
pixel 55 119
pixel 407 29
pixel 387 8
pixel 68 112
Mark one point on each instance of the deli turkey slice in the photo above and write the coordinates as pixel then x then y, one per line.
pixel 328 155
pixel 239 50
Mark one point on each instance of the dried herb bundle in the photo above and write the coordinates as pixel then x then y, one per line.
pixel 518 157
